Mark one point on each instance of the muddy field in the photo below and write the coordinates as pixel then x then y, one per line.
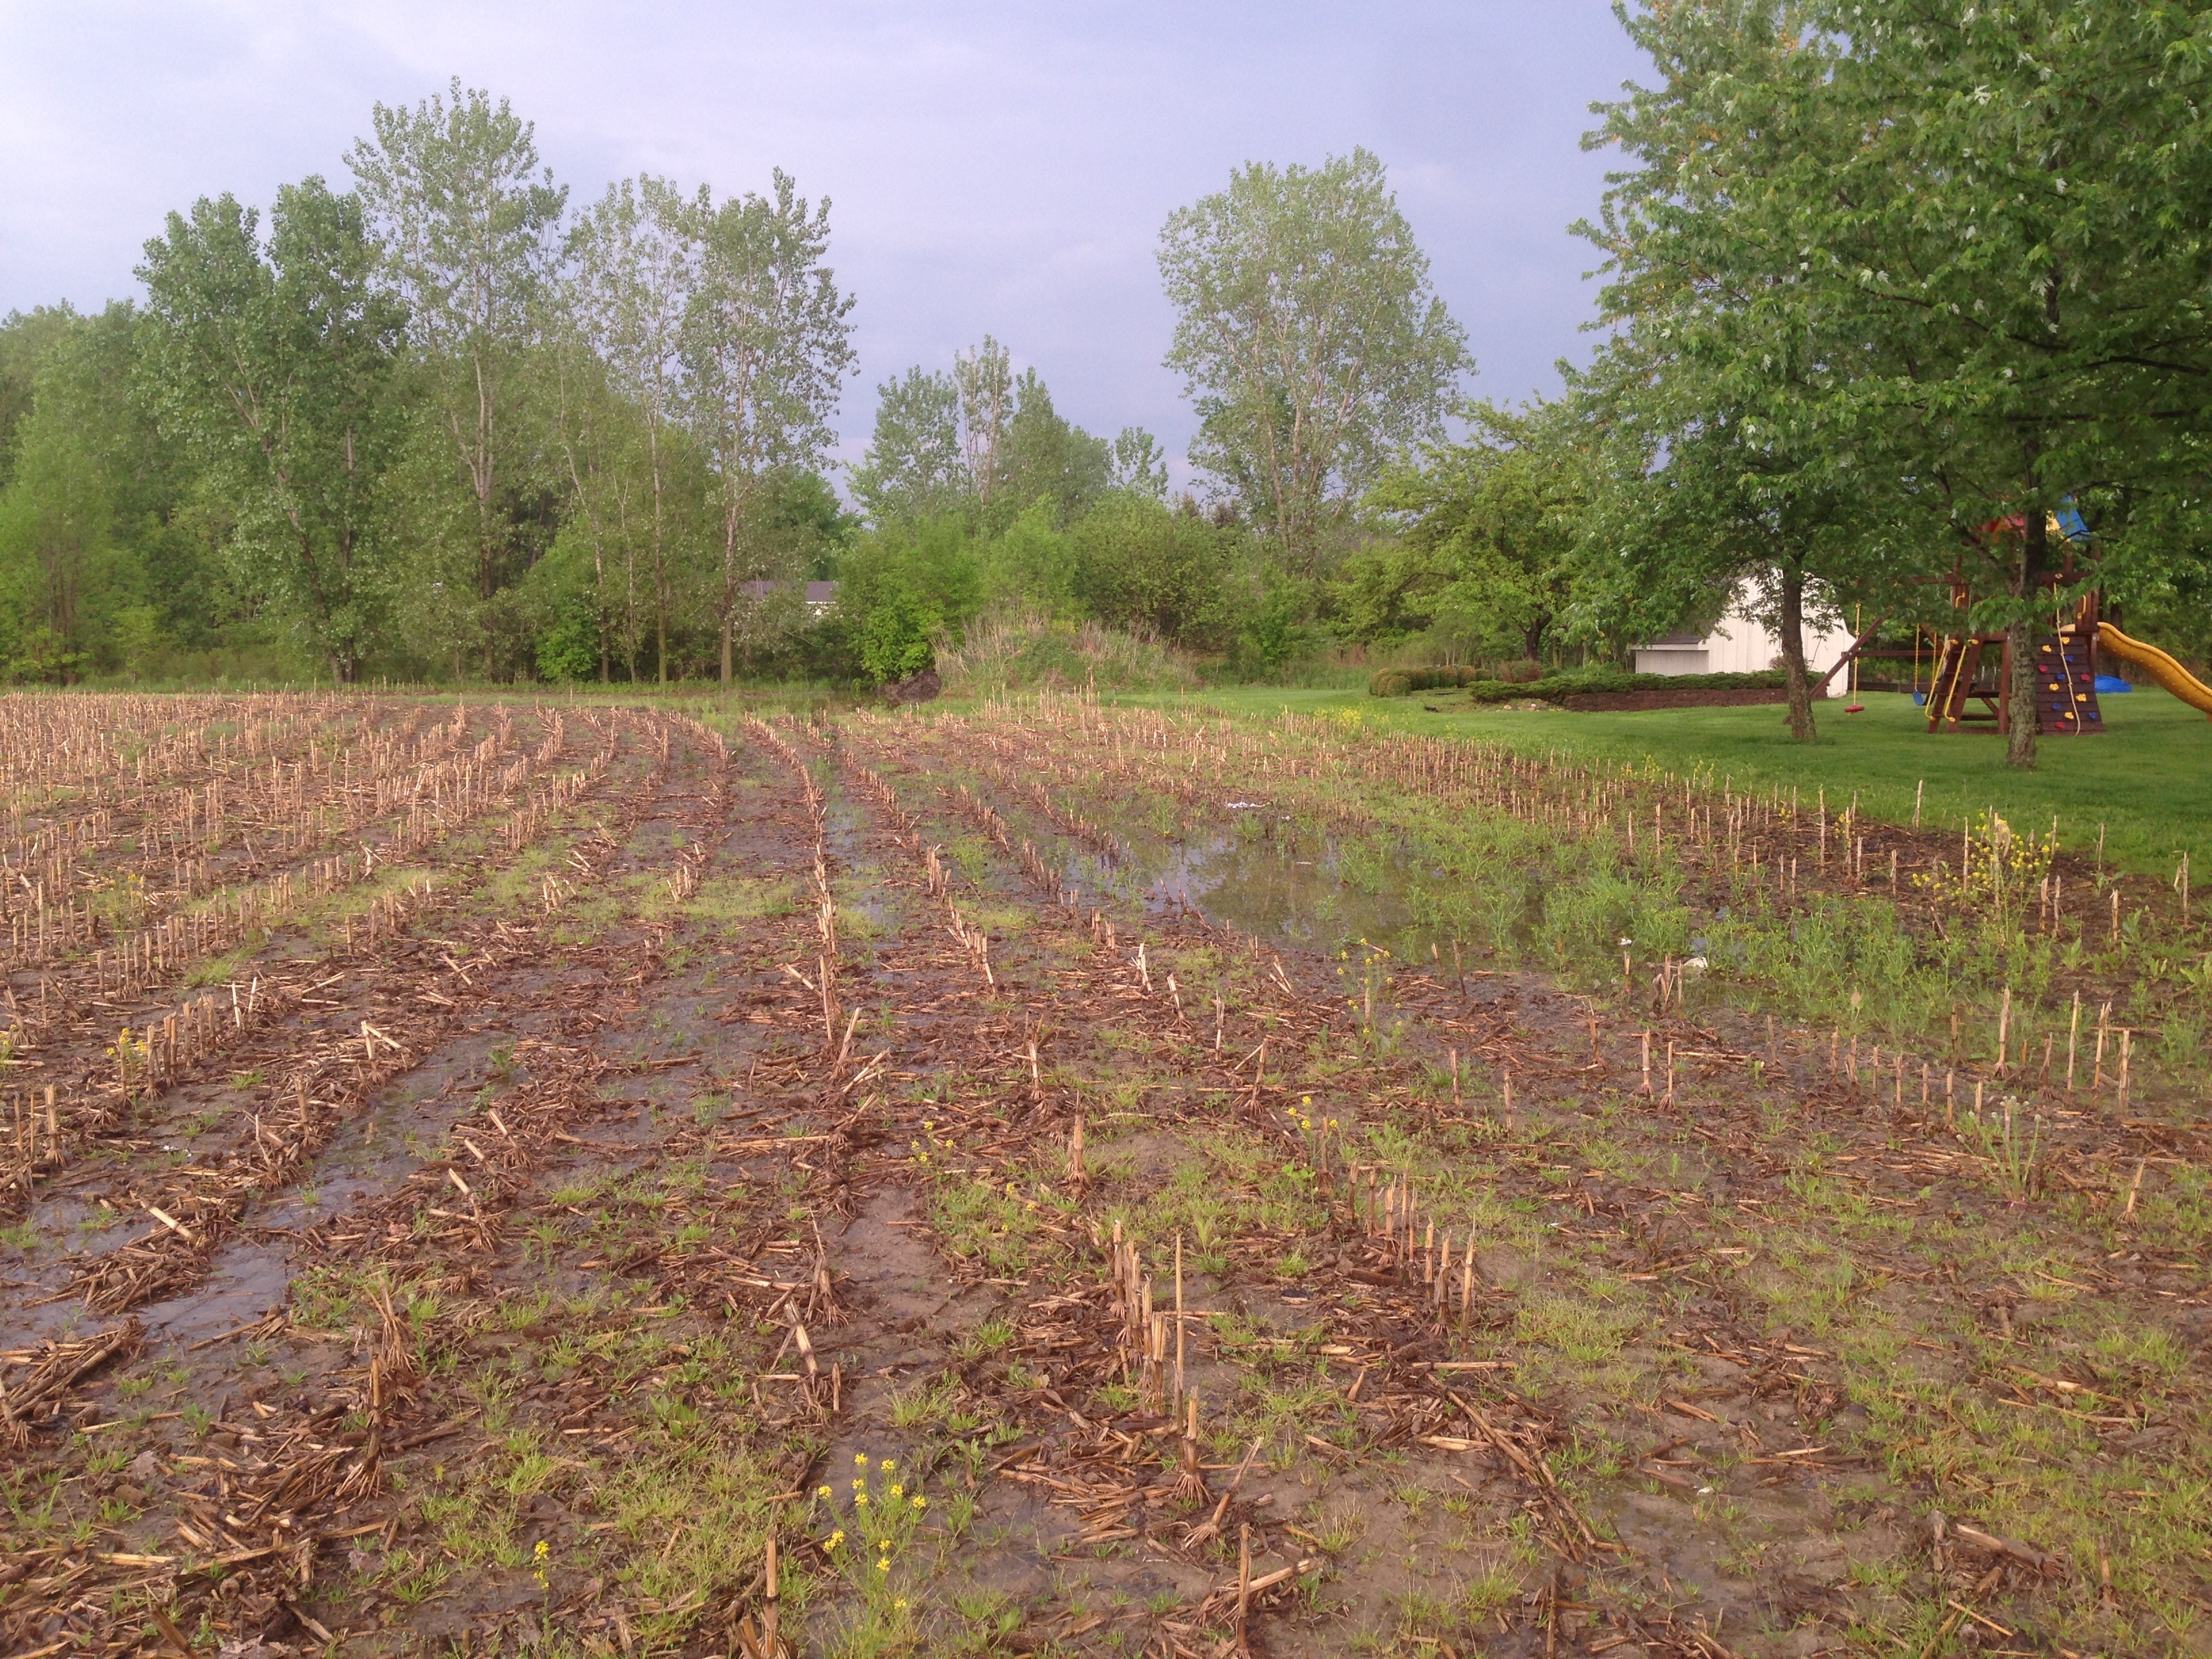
pixel 527 1178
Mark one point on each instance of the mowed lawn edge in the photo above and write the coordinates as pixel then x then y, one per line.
pixel 2148 780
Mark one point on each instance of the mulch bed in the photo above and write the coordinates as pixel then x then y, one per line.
pixel 1596 703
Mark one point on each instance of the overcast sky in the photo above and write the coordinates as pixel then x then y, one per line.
pixel 993 167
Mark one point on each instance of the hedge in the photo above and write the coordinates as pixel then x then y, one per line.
pixel 1554 687
pixel 1483 687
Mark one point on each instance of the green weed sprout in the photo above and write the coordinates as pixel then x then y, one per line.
pixel 2017 1158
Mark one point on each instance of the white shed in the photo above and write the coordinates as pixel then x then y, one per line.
pixel 1737 644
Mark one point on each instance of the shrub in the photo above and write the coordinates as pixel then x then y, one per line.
pixel 1007 651
pixel 1397 682
pixel 1513 680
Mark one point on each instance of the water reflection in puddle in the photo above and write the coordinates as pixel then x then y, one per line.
pixel 1299 894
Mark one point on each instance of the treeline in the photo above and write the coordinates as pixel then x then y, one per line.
pixel 443 424
pixel 432 425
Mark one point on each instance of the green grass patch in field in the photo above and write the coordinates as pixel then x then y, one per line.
pixel 2148 779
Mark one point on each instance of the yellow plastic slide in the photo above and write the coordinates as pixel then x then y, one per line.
pixel 2162 668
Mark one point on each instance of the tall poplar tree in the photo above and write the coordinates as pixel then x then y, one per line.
pixel 766 346
pixel 985 377
pixel 635 270
pixel 469 224
pixel 1311 336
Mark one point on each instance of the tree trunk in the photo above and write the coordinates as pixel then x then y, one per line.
pixel 1793 652
pixel 2020 694
pixel 729 589
pixel 600 606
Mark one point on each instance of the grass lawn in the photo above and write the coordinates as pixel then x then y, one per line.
pixel 2148 780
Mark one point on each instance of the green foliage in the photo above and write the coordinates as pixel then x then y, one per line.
pixel 270 367
pixel 1031 562
pixel 766 344
pixel 1492 527
pixel 466 224
pixel 914 468
pixel 1553 687
pixel 1309 335
pixel 1046 459
pixel 1931 275
pixel 903 588
pixel 1138 565
pixel 987 446
pixel 106 562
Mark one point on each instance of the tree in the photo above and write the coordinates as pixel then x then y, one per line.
pixel 1029 566
pixel 274 369
pixel 598 436
pixel 1956 262
pixel 58 543
pixel 632 274
pixel 766 348
pixel 904 587
pixel 914 467
pixel 984 376
pixel 1048 459
pixel 1310 337
pixel 1138 464
pixel 1690 520
pixel 26 340
pixel 1140 565
pixel 468 226
pixel 1502 515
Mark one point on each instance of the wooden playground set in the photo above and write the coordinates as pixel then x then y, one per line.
pixel 1969 689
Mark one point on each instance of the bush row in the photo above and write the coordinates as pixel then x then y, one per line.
pixel 1484 688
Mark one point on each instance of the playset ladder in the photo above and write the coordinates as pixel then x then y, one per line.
pixel 1957 665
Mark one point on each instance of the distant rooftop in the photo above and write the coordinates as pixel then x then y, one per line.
pixel 819 596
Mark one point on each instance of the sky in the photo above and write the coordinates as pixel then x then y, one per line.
pixel 993 169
